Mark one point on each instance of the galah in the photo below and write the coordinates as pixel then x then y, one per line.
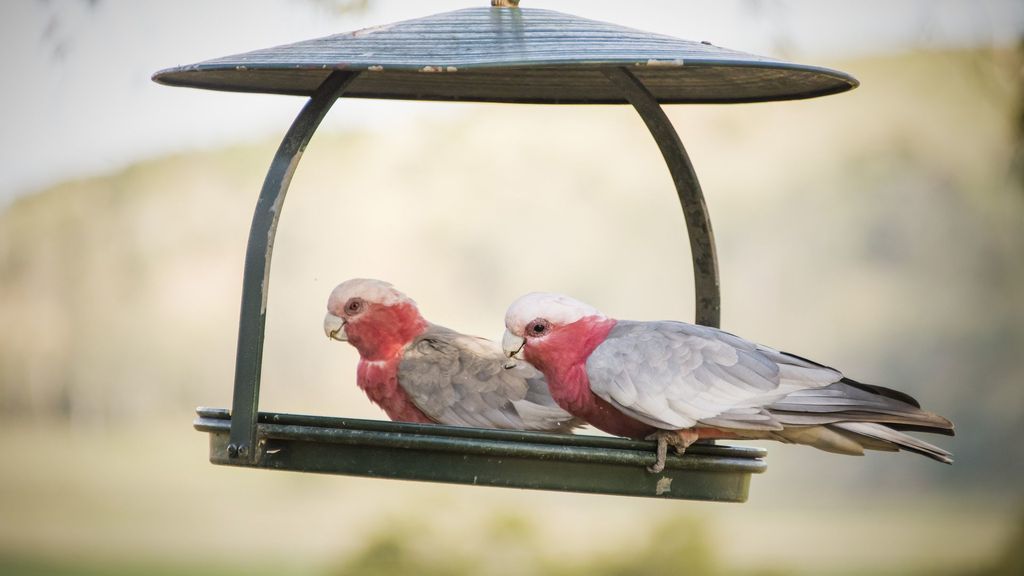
pixel 678 382
pixel 421 372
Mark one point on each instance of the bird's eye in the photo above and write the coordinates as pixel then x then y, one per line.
pixel 354 306
pixel 538 327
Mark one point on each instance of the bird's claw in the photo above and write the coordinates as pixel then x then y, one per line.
pixel 659 464
pixel 680 441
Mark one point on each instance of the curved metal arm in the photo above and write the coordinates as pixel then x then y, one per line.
pixel 256 279
pixel 698 225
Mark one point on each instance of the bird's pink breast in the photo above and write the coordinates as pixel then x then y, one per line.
pixel 578 400
pixel 379 380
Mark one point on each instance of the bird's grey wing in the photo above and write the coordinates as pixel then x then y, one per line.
pixel 675 375
pixel 851 401
pixel 460 380
pixel 538 409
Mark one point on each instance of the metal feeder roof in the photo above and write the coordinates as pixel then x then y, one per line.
pixel 528 55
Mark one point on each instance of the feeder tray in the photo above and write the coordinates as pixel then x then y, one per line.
pixel 519 55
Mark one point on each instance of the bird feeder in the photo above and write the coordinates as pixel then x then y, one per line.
pixel 487 54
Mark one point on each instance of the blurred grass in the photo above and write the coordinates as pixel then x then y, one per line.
pixel 880 231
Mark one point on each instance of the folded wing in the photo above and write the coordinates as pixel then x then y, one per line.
pixel 674 375
pixel 459 380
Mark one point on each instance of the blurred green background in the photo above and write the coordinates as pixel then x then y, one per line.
pixel 879 231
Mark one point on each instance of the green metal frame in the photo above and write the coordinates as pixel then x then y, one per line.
pixel 247 437
pixel 695 210
pixel 504 458
pixel 256 275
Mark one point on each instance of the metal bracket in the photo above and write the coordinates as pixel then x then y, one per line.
pixel 698 224
pixel 256 278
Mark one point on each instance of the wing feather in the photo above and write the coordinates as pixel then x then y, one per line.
pixel 679 375
pixel 460 380
pixel 676 375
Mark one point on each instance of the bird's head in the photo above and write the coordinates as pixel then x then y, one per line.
pixel 372 316
pixel 535 323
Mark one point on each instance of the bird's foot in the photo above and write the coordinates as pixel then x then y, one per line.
pixel 680 440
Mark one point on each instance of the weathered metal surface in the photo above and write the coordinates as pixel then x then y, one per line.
pixel 512 55
pixel 486 457
pixel 698 224
pixel 256 275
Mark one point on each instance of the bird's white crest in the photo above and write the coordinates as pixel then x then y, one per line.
pixel 368 289
pixel 555 308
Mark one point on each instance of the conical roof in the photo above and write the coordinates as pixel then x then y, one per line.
pixel 511 55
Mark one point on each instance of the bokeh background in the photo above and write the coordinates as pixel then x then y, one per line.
pixel 880 231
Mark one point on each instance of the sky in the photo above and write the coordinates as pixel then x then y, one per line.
pixel 78 99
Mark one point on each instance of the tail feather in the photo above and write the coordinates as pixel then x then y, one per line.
pixel 918 422
pixel 920 428
pixel 822 438
pixel 852 438
pixel 849 401
pixel 871 431
pixel 883 391
pixel 848 417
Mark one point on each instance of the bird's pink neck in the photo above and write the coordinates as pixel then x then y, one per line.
pixel 381 335
pixel 383 332
pixel 562 357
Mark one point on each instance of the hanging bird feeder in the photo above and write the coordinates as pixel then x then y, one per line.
pixel 487 54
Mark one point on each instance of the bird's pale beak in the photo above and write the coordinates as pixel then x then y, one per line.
pixel 334 327
pixel 511 344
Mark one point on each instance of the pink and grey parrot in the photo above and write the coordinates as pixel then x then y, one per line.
pixel 678 382
pixel 421 372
